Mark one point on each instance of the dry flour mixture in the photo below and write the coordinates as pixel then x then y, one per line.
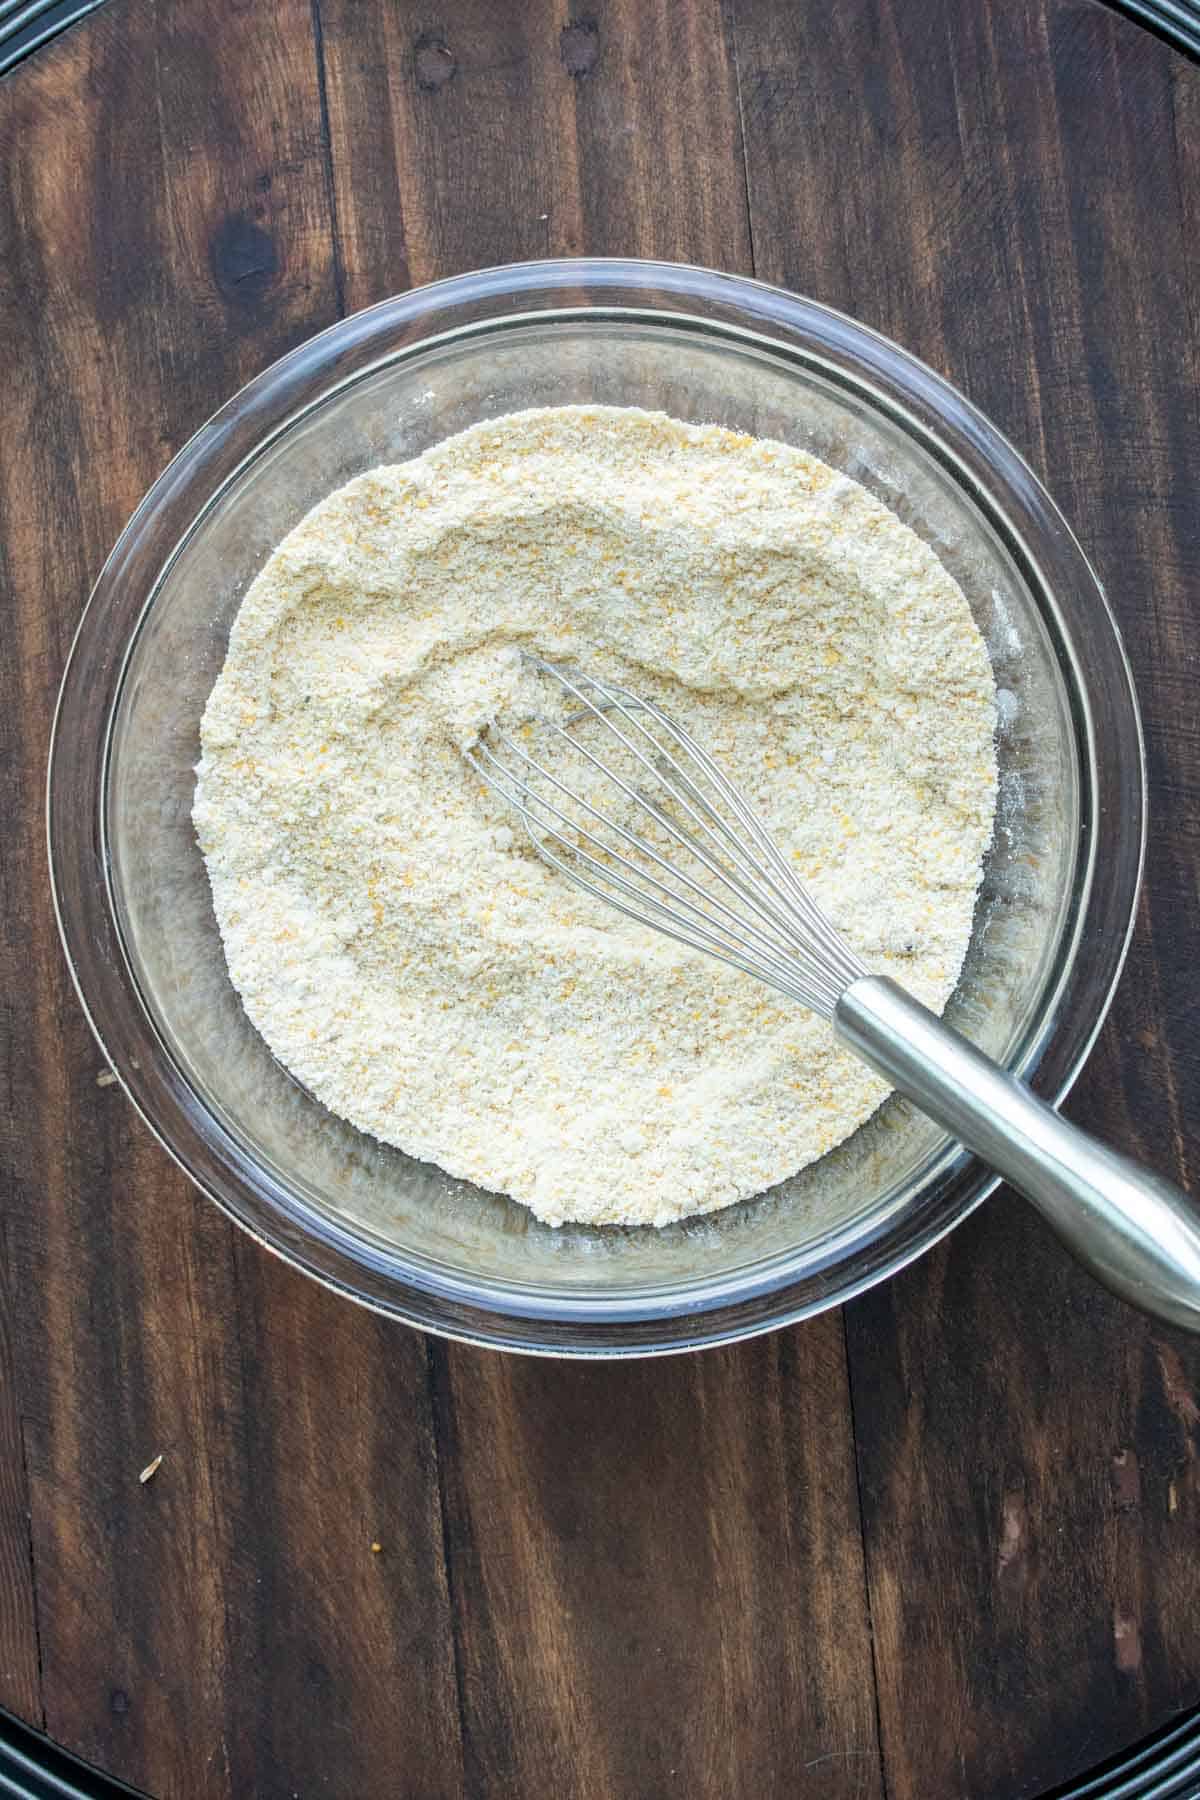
pixel 396 939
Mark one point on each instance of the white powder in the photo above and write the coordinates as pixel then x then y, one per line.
pixel 401 947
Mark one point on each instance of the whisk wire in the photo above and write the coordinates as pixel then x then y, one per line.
pixel 790 894
pixel 786 892
pixel 524 800
pixel 675 830
pixel 785 941
pixel 620 699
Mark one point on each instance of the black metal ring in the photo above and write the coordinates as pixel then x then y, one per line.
pixel 1176 21
pixel 1165 1766
pixel 27 24
pixel 33 1768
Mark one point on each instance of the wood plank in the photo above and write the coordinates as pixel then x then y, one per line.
pixel 656 1570
pixel 353 1686
pixel 223 1627
pixel 517 130
pixel 657 1574
pixel 451 147
pixel 993 187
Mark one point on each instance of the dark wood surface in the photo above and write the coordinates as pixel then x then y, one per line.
pixel 946 1544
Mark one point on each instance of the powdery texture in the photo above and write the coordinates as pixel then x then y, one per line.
pixel 402 949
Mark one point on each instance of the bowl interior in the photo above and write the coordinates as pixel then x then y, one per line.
pixel 406 1217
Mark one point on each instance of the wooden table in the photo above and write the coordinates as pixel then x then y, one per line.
pixel 944 1544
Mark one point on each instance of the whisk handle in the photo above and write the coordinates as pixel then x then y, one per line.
pixel 1135 1231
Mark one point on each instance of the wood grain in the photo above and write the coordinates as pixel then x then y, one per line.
pixel 166 235
pixel 1005 201
pixel 630 1580
pixel 20 1674
pixel 657 1574
pixel 517 130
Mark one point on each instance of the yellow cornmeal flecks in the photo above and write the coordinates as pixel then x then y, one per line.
pixel 398 943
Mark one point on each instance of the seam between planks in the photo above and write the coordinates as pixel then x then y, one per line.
pixel 335 228
pixel 729 13
pixel 866 1567
pixel 432 1351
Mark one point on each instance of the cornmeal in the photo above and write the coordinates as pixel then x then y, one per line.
pixel 393 934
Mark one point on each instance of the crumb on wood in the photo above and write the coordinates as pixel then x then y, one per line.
pixel 151 1469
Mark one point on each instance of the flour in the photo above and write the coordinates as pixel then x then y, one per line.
pixel 404 951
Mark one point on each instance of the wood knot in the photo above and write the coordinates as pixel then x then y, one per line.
pixel 434 63
pixel 579 47
pixel 245 261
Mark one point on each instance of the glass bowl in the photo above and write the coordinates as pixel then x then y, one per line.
pixel 132 896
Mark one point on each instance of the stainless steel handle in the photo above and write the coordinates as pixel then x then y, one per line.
pixel 1138 1233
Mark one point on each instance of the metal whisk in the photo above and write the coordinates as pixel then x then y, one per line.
pixel 630 808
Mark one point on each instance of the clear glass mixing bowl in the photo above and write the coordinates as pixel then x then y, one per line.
pixel 132 896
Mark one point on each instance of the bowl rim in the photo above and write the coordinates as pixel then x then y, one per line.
pixel 545 1321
